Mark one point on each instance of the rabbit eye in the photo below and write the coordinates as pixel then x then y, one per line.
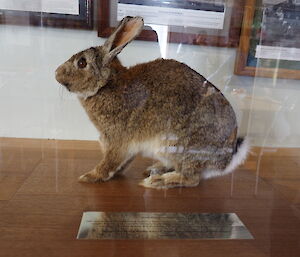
pixel 82 63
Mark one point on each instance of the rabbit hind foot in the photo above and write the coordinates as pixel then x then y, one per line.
pixel 157 169
pixel 170 180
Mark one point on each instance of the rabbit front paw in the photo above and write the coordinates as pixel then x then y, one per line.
pixel 95 176
pixel 89 178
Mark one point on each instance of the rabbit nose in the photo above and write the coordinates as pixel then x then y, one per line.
pixel 60 73
pixel 60 70
pixel 57 76
pixel 63 69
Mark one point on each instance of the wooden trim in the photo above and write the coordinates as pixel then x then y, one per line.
pixel 244 46
pixel 241 67
pixel 104 29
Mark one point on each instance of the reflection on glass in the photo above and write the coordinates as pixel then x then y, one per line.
pixel 47 140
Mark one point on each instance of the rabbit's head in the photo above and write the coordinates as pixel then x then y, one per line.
pixel 87 71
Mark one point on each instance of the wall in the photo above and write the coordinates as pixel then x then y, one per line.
pixel 33 105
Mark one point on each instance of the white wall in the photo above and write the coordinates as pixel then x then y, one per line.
pixel 33 105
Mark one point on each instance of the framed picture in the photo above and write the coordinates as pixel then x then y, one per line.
pixel 199 22
pixel 75 14
pixel 270 39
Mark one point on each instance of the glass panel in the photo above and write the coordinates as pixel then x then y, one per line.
pixel 193 109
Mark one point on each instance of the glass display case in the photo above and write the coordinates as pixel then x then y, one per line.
pixel 175 143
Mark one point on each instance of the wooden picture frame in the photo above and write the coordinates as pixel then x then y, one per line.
pixel 242 66
pixel 82 21
pixel 231 39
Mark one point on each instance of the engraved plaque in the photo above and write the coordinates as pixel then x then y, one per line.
pixel 156 225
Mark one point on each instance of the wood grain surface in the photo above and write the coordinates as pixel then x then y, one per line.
pixel 42 203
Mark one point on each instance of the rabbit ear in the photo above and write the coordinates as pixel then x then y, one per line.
pixel 128 29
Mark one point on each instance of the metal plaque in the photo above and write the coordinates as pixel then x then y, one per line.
pixel 156 225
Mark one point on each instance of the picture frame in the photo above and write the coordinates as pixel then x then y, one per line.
pixel 84 20
pixel 227 37
pixel 254 36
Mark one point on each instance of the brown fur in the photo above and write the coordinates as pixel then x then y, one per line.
pixel 162 108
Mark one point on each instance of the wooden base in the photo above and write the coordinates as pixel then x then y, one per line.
pixel 41 203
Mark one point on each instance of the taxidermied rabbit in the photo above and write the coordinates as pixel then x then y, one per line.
pixel 162 109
